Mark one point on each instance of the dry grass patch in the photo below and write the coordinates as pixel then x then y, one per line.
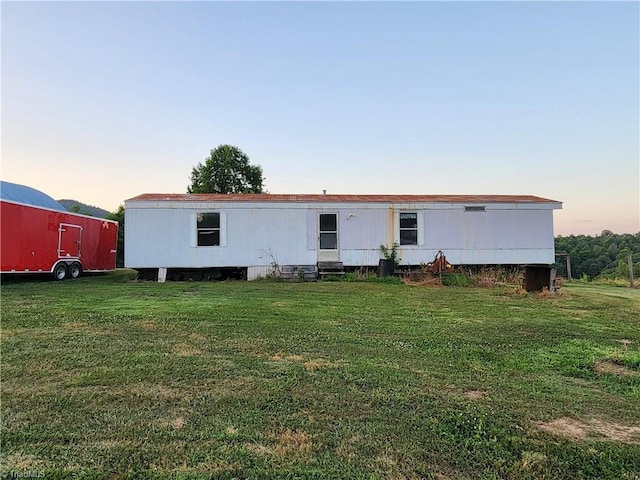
pixel 422 278
pixel 565 427
pixel 578 430
pixel 148 324
pixel 209 468
pixel 177 423
pixel 250 347
pixel 185 350
pixel 75 325
pixel 21 462
pixel 347 448
pixel 281 356
pixel 105 444
pixel 321 363
pixel 295 443
pixel 617 432
pixel 474 394
pixel 197 338
pixel 310 365
pixel 613 367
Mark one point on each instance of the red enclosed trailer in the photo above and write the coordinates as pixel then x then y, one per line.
pixel 38 235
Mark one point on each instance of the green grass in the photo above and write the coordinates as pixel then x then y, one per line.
pixel 107 378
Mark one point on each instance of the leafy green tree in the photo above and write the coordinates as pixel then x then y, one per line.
pixel 226 170
pixel 118 216
pixel 605 254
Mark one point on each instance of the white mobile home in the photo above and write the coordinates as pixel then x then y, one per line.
pixel 254 231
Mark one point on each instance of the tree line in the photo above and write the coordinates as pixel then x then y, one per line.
pixel 605 255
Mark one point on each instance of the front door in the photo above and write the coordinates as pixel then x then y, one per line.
pixel 69 240
pixel 328 237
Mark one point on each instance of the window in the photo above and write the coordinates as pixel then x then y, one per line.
pixel 208 229
pixel 328 231
pixel 408 229
pixel 475 209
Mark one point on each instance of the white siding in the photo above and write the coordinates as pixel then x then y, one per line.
pixel 163 234
pixel 165 237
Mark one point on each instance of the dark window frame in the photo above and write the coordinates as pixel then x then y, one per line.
pixel 208 229
pixel 408 231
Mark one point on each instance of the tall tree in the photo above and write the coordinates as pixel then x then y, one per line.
pixel 226 170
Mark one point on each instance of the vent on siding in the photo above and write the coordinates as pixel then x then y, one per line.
pixel 475 208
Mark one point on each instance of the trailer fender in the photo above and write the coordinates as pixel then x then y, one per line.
pixel 64 269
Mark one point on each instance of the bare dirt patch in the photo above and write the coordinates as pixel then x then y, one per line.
pixel 474 394
pixel 614 368
pixel 177 423
pixel 579 430
pixel 617 432
pixel 565 427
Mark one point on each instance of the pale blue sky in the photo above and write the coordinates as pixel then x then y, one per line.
pixel 104 101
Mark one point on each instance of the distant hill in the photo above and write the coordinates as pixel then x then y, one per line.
pixel 83 209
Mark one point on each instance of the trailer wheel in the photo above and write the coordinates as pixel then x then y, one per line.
pixel 75 270
pixel 60 271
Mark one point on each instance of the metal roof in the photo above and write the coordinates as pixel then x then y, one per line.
pixel 12 192
pixel 336 198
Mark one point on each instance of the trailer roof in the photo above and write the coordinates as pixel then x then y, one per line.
pixel 12 192
pixel 335 198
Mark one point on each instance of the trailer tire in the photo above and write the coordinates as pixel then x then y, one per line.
pixel 60 271
pixel 75 270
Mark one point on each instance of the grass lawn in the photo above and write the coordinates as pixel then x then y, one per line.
pixel 103 377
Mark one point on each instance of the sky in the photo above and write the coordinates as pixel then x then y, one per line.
pixel 103 101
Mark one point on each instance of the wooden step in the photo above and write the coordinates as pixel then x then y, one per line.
pixel 329 269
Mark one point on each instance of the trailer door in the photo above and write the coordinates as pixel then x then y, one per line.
pixel 69 240
pixel 328 238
